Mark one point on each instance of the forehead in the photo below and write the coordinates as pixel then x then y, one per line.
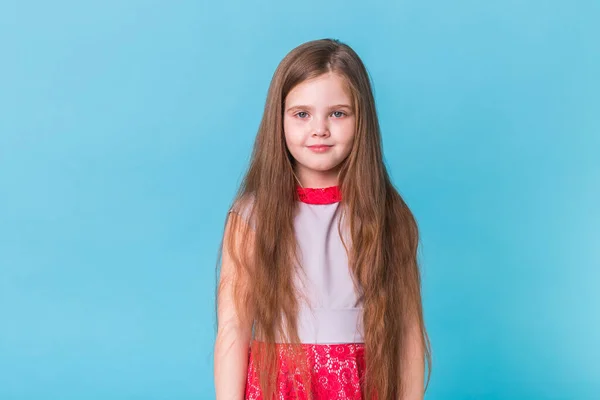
pixel 323 89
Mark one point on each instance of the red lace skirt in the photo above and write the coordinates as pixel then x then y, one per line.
pixel 336 370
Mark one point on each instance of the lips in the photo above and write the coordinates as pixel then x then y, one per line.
pixel 319 148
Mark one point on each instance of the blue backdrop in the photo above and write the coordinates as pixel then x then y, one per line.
pixel 125 127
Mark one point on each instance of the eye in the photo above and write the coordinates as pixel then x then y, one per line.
pixel 339 114
pixel 302 114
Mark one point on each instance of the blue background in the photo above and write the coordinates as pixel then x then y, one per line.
pixel 125 127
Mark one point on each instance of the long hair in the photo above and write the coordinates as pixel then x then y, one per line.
pixel 383 233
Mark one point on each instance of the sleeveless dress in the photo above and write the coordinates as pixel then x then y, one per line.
pixel 330 320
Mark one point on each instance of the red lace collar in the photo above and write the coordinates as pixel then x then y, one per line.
pixel 328 195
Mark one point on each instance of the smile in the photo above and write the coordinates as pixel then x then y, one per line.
pixel 319 148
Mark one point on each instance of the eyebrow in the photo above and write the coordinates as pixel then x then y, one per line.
pixel 300 106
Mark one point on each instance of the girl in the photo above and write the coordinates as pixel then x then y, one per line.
pixel 319 288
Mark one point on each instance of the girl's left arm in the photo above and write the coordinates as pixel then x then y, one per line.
pixel 413 364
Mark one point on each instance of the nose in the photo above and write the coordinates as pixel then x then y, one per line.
pixel 320 127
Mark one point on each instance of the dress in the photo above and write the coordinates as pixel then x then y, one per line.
pixel 330 321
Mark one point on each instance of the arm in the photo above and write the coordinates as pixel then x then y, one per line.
pixel 233 336
pixel 413 364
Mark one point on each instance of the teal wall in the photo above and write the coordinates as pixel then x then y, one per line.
pixel 125 127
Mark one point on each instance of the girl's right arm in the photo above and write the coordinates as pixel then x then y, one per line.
pixel 233 336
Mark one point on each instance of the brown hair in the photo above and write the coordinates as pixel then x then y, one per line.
pixel 384 236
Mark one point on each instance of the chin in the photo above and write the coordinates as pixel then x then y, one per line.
pixel 322 168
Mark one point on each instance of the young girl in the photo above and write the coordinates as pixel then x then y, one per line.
pixel 319 288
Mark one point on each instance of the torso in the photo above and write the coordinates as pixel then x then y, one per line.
pixel 333 311
pixel 330 311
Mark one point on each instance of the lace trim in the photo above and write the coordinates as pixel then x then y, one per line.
pixel 328 195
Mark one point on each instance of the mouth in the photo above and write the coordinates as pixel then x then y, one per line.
pixel 319 148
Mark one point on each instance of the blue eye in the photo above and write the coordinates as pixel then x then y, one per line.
pixel 337 114
pixel 302 114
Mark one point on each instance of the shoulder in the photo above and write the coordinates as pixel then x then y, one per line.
pixel 244 207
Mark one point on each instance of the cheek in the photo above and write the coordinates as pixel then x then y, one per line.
pixel 293 135
pixel 346 133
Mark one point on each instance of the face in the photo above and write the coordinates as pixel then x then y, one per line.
pixel 319 126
